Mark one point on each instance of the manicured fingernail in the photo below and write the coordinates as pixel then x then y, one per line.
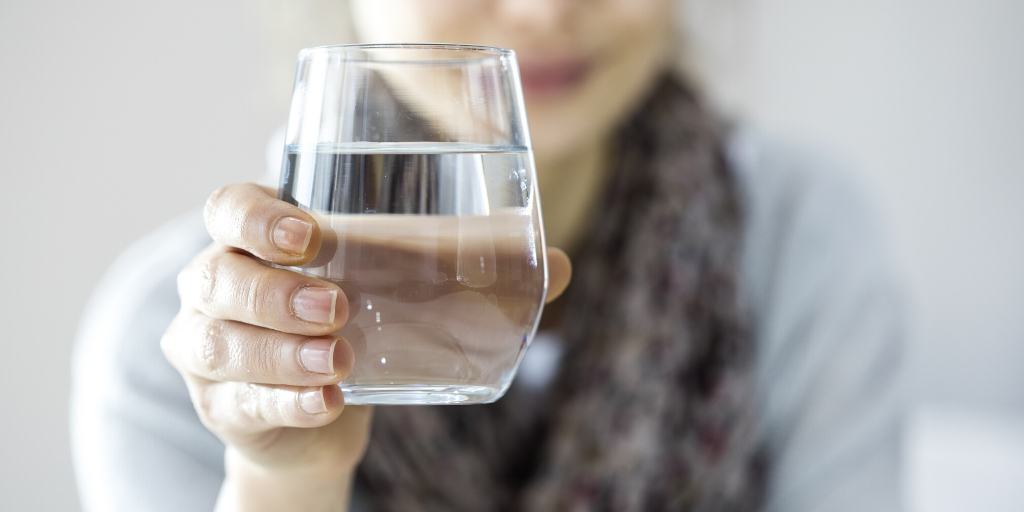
pixel 312 400
pixel 292 235
pixel 315 304
pixel 318 355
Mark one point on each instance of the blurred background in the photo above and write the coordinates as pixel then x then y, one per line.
pixel 117 116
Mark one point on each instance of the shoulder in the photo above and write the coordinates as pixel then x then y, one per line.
pixel 140 279
pixel 808 219
pixel 817 270
pixel 783 184
pixel 828 314
pixel 133 427
pixel 140 283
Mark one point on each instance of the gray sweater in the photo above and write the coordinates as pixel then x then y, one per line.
pixel 829 327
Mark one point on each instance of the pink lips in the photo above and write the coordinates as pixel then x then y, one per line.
pixel 546 78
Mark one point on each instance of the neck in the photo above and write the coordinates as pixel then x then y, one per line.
pixel 569 189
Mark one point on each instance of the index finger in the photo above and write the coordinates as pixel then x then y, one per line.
pixel 249 217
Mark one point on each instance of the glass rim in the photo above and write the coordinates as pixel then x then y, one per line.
pixel 489 52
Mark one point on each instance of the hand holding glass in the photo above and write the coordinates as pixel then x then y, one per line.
pixel 416 162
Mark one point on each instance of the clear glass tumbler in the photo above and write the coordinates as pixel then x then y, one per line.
pixel 416 162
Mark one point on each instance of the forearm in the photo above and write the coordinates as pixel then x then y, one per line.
pixel 251 488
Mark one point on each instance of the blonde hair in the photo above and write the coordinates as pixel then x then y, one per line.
pixel 713 53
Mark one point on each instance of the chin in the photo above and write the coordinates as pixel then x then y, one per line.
pixel 554 135
pixel 559 129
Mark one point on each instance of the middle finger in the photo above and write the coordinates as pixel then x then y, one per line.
pixel 231 286
pixel 223 350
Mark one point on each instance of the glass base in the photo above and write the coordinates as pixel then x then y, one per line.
pixel 412 394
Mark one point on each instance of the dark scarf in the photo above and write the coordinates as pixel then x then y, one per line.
pixel 654 407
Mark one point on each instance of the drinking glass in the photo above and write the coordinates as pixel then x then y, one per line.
pixel 415 161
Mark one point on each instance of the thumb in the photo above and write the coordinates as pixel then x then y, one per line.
pixel 559 272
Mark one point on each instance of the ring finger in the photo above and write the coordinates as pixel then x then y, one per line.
pixel 224 350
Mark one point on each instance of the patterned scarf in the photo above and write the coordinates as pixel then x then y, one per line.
pixel 653 408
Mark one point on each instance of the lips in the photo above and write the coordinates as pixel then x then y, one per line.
pixel 552 77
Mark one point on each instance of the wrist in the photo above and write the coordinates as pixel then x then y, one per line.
pixel 251 487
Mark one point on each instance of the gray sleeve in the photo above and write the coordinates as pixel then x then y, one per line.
pixel 137 442
pixel 830 327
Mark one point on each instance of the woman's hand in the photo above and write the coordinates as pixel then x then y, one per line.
pixel 255 346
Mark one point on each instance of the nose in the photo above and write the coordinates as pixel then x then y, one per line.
pixel 536 15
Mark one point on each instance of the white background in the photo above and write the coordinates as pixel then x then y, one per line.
pixel 116 116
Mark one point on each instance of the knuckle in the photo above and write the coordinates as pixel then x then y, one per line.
pixel 170 341
pixel 208 272
pixel 227 213
pixel 287 409
pixel 167 339
pixel 259 294
pixel 250 402
pixel 208 354
pixel 185 279
pixel 167 346
pixel 182 279
pixel 214 202
pixel 262 358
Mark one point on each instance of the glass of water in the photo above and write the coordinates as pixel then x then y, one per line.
pixel 416 162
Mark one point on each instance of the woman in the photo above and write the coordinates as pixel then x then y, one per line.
pixel 729 342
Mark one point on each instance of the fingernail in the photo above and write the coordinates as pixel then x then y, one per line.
pixel 292 235
pixel 312 400
pixel 315 304
pixel 318 355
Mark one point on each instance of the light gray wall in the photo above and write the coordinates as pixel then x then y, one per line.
pixel 115 116
pixel 926 97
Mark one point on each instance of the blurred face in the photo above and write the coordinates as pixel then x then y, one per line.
pixel 584 64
